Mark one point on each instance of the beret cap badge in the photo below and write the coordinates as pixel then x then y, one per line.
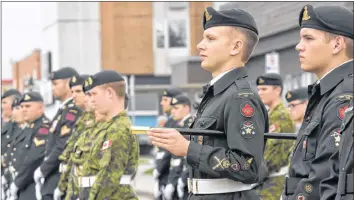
pixel 207 15
pixel 305 15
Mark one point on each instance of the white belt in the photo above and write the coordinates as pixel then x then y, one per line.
pixel 282 172
pixel 62 167
pixel 88 181
pixel 216 186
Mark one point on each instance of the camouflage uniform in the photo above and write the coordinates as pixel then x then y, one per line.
pixel 277 153
pixel 82 145
pixel 84 122
pixel 113 154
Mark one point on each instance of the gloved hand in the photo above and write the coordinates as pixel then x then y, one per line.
pixel 38 191
pixel 57 194
pixel 3 194
pixel 157 192
pixel 38 175
pixel 155 174
pixel 13 191
pixel 4 182
pixel 168 192
pixel 180 188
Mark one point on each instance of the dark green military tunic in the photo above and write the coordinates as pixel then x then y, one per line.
pixel 230 106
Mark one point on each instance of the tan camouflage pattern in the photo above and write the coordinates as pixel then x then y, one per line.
pixel 277 152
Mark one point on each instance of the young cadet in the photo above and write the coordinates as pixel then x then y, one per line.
pixel 224 167
pixel 325 49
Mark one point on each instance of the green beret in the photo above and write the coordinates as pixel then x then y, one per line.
pixel 230 17
pixel 270 79
pixel 103 77
pixel 298 94
pixel 180 99
pixel 31 97
pixel 10 92
pixel 78 80
pixel 63 73
pixel 333 19
pixel 171 92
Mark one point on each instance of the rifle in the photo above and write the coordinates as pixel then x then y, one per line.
pixel 214 133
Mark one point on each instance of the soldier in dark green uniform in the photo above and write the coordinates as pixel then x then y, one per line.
pixel 112 160
pixel 224 167
pixel 180 113
pixel 163 157
pixel 76 86
pixel 60 130
pixel 325 49
pixel 10 131
pixel 270 88
pixel 6 101
pixel 297 100
pixel 29 154
pixel 343 158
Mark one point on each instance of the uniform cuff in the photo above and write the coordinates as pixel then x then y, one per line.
pixel 193 154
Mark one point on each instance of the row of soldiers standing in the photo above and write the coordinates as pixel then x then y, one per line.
pixel 171 172
pixel 86 152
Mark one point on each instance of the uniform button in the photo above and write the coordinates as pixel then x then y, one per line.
pixel 308 119
pixel 26 145
pixel 5 154
pixel 12 154
pixel 14 159
pixel 350 75
pixel 7 136
pixel 10 163
pixel 8 145
pixel 14 149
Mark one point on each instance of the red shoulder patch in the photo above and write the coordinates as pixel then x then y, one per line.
pixel 43 131
pixel 341 110
pixel 69 116
pixel 247 109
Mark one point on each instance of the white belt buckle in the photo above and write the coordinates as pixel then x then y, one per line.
pixel 125 179
pixel 86 181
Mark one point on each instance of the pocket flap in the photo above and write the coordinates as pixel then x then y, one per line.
pixel 312 126
pixel 205 122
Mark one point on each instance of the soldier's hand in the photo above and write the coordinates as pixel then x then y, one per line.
pixel 157 192
pixel 38 175
pixel 180 188
pixel 169 139
pixel 57 194
pixel 38 191
pixel 13 191
pixel 4 182
pixel 168 192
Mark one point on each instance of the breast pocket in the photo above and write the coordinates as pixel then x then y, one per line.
pixel 309 144
pixel 206 122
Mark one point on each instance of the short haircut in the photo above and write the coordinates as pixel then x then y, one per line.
pixel 251 42
pixel 118 87
pixel 347 41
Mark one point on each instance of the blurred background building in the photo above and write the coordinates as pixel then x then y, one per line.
pixel 153 44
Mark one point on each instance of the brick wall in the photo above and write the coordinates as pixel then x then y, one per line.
pixel 25 68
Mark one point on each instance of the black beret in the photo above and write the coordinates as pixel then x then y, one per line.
pixel 333 19
pixel 103 77
pixel 126 101
pixel 171 92
pixel 63 73
pixel 16 102
pixel 180 99
pixel 297 94
pixel 31 97
pixel 270 79
pixel 78 80
pixel 10 92
pixel 230 17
